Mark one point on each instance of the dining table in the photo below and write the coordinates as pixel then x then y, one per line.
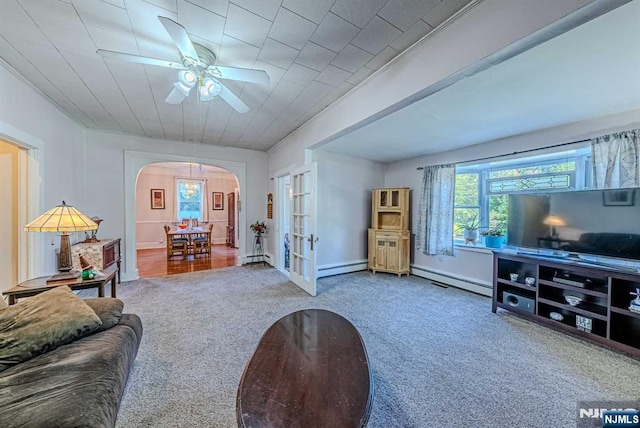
pixel 190 233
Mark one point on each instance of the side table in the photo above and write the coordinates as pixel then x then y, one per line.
pixel 258 250
pixel 38 285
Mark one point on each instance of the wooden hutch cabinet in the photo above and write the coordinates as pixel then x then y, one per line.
pixel 389 236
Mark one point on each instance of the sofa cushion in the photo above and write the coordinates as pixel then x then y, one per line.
pixel 42 323
pixel 76 385
pixel 108 309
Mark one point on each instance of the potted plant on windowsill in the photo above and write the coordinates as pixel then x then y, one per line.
pixel 470 231
pixel 493 237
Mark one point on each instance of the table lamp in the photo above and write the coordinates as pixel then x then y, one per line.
pixel 554 221
pixel 62 218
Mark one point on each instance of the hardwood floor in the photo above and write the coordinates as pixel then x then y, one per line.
pixel 154 262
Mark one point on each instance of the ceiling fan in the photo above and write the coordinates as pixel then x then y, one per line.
pixel 197 69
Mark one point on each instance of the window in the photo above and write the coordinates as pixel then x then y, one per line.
pixel 190 199
pixel 482 191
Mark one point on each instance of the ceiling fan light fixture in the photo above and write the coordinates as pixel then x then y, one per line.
pixel 209 89
pixel 187 78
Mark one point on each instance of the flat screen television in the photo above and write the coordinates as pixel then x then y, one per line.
pixel 592 222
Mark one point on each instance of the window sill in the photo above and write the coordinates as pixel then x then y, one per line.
pixel 479 248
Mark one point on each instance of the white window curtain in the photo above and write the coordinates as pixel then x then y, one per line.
pixel 616 160
pixel 435 213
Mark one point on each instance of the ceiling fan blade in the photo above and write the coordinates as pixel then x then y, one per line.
pixel 180 37
pixel 233 100
pixel 177 94
pixel 242 74
pixel 140 59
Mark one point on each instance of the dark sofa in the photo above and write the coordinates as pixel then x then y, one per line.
pixel 79 384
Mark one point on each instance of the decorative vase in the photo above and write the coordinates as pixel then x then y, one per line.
pixel 493 241
pixel 470 236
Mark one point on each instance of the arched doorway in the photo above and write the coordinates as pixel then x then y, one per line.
pixel 135 163
pixel 161 200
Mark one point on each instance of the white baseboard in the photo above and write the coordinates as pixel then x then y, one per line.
pixel 469 284
pixel 247 259
pixel 340 268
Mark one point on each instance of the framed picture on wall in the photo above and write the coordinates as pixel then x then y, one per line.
pixel 218 200
pixel 157 199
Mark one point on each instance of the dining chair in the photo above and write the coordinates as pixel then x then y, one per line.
pixel 202 242
pixel 176 245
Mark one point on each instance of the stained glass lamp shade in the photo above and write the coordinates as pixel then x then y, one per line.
pixel 62 218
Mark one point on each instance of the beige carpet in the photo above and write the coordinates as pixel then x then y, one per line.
pixel 440 357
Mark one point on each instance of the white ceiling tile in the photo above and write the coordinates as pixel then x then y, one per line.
pixel 265 8
pixel 443 11
pixel 238 53
pixel 54 13
pixel 97 13
pixel 119 3
pixel 317 90
pixel 169 5
pixel 333 76
pixel 246 26
pixel 254 95
pixel 200 22
pixel 412 35
pixel 152 38
pixel 360 75
pixel 277 53
pixel 300 74
pixel 113 41
pixel 313 10
pixel 275 74
pixel 216 6
pixel 315 56
pixel 68 40
pixel 241 120
pixel 352 58
pixel 376 36
pixel 334 33
pixel 382 58
pixel 404 13
pixel 358 12
pixel 18 32
pixel 13 11
pixel 291 29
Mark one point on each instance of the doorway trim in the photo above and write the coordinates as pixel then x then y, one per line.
pixel 134 161
pixel 31 246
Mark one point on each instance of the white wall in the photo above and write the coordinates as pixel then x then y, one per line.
pixel 475 265
pixel 344 210
pixel 29 120
pixel 91 176
pixel 485 28
pixel 105 183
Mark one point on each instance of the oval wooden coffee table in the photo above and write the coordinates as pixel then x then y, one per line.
pixel 310 369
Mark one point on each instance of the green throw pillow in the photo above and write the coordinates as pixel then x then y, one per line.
pixel 42 323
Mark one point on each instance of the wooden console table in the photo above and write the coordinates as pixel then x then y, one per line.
pixel 38 285
pixel 310 369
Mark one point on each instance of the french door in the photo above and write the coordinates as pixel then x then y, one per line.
pixel 302 228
